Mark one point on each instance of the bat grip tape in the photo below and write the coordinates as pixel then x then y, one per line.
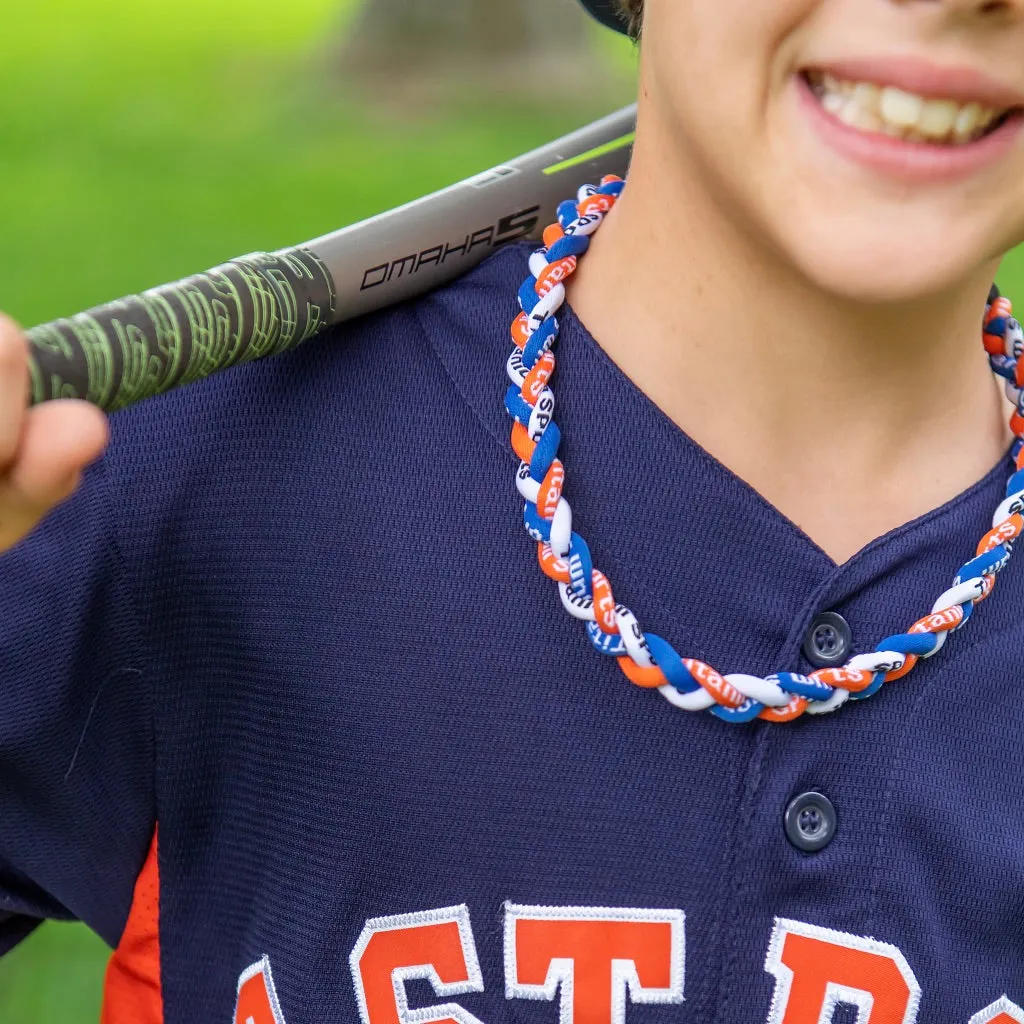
pixel 146 344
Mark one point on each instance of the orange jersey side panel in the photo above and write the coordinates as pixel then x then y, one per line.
pixel 132 994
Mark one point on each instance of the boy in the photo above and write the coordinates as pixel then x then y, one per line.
pixel 289 716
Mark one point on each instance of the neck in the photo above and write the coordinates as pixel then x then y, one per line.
pixel 850 418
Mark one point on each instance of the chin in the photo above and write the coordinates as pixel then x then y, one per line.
pixel 893 265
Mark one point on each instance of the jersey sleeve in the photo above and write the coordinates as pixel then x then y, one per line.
pixel 77 806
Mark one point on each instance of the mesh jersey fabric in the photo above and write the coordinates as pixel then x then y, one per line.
pixel 293 617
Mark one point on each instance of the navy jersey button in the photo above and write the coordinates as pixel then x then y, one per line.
pixel 810 822
pixel 829 641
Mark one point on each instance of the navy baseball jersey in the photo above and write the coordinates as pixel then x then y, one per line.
pixel 290 716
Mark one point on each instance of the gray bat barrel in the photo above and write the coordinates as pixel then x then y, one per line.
pixel 266 303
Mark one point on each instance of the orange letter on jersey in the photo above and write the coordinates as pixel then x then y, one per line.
pixel 1002 1011
pixel 435 944
pixel 817 969
pixel 257 997
pixel 601 958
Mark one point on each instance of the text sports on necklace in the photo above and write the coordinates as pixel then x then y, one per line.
pixel 646 659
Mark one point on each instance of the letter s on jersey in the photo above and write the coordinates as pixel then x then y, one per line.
pixel 433 944
pixel 599 957
pixel 816 969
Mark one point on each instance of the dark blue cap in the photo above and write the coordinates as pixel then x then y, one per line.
pixel 608 13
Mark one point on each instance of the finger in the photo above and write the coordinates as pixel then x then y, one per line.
pixel 58 440
pixel 13 387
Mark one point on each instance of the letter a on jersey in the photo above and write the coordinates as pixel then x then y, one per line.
pixel 257 997
pixel 599 958
pixel 434 944
pixel 817 969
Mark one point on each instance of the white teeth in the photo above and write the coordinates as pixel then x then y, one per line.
pixel 832 84
pixel 938 117
pixel 833 102
pixel 967 121
pixel 901 108
pixel 869 96
pixel 856 116
pixel 871 108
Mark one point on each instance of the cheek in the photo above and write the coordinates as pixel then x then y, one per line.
pixel 727 29
pixel 714 70
pixel 710 39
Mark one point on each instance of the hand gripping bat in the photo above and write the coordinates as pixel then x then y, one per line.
pixel 266 303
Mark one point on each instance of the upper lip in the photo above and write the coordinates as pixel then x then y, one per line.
pixel 932 81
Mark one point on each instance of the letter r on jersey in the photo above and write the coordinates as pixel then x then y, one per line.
pixel 598 957
pixel 436 945
pixel 817 969
pixel 257 996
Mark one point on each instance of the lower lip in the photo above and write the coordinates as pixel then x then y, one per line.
pixel 915 162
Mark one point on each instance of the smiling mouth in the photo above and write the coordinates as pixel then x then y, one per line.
pixel 877 109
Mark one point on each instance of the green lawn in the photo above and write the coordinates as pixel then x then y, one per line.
pixel 55 976
pixel 145 141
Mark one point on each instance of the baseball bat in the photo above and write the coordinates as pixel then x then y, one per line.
pixel 266 303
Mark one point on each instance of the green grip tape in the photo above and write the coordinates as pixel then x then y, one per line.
pixel 144 345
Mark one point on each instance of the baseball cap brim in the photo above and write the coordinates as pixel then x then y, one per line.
pixel 606 12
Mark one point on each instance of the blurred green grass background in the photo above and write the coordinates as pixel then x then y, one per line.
pixel 143 142
pixel 146 141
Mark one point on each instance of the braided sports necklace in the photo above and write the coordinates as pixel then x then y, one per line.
pixel 585 592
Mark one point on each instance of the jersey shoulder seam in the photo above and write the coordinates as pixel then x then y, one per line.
pixel 488 429
pixel 108 486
